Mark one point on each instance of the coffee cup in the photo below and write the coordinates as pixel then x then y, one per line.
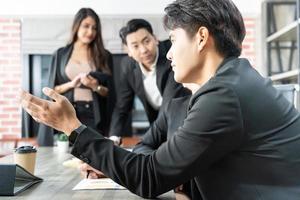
pixel 25 156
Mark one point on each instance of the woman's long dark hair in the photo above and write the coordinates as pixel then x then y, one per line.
pixel 97 52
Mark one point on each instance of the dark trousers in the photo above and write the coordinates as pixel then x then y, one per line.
pixel 85 114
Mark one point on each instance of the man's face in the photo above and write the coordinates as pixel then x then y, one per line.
pixel 184 54
pixel 142 46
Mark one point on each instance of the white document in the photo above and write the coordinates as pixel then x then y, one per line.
pixel 100 184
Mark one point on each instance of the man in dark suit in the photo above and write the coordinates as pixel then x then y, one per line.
pixel 145 72
pixel 170 119
pixel 240 139
pixel 163 128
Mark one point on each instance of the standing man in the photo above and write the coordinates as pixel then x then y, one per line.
pixel 146 73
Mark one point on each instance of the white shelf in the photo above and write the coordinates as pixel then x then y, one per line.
pixel 285 76
pixel 287 33
pixel 140 125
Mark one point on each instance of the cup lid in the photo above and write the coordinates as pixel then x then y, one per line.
pixel 25 149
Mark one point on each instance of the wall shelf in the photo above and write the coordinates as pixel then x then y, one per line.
pixel 288 33
pixel 282 23
pixel 289 75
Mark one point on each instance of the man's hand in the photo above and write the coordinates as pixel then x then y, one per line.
pixel 117 140
pixel 93 173
pixel 58 114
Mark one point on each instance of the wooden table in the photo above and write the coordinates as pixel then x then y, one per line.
pixel 59 181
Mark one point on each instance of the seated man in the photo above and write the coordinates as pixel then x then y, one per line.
pixel 146 73
pixel 163 128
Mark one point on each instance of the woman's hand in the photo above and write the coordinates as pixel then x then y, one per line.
pixel 89 82
pixel 69 85
pixel 76 81
pixel 58 114
pixel 93 83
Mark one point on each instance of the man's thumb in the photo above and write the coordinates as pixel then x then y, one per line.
pixel 51 93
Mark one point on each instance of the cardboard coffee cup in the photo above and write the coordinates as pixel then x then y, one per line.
pixel 25 157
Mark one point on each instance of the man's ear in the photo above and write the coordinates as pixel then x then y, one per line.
pixel 156 40
pixel 125 48
pixel 202 37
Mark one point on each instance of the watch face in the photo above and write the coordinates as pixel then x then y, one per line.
pixel 76 132
pixel 73 136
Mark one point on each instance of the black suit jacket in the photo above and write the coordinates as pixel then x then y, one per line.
pixel 239 141
pixel 131 83
pixel 103 106
pixel 164 127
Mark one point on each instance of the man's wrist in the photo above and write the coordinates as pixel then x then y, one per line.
pixel 72 127
pixel 76 132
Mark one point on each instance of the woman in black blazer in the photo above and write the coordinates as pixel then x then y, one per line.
pixel 82 72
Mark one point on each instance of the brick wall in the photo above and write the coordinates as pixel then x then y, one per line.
pixel 249 41
pixel 10 77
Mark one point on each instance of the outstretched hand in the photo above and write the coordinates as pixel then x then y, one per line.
pixel 58 114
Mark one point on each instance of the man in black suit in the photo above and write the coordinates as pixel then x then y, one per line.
pixel 170 119
pixel 145 72
pixel 240 139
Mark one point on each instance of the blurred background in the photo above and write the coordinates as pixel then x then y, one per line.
pixel 31 30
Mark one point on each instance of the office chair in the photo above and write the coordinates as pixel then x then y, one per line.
pixel 289 91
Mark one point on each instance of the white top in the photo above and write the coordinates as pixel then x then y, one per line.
pixel 151 90
pixel 74 68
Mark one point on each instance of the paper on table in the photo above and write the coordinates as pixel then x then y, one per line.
pixel 94 184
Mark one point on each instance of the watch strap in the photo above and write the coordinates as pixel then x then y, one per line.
pixel 76 132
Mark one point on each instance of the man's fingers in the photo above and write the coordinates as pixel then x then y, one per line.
pixel 28 105
pixel 93 175
pixel 27 97
pixel 32 105
pixel 90 168
pixel 33 111
pixel 52 94
pixel 83 167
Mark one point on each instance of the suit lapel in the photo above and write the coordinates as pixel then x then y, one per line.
pixel 162 66
pixel 139 85
pixel 64 61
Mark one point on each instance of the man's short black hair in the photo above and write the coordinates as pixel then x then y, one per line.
pixel 132 26
pixel 221 17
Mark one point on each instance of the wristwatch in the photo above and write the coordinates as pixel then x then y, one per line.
pixel 74 134
pixel 98 88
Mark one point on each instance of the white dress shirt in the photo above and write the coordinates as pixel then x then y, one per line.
pixel 149 80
